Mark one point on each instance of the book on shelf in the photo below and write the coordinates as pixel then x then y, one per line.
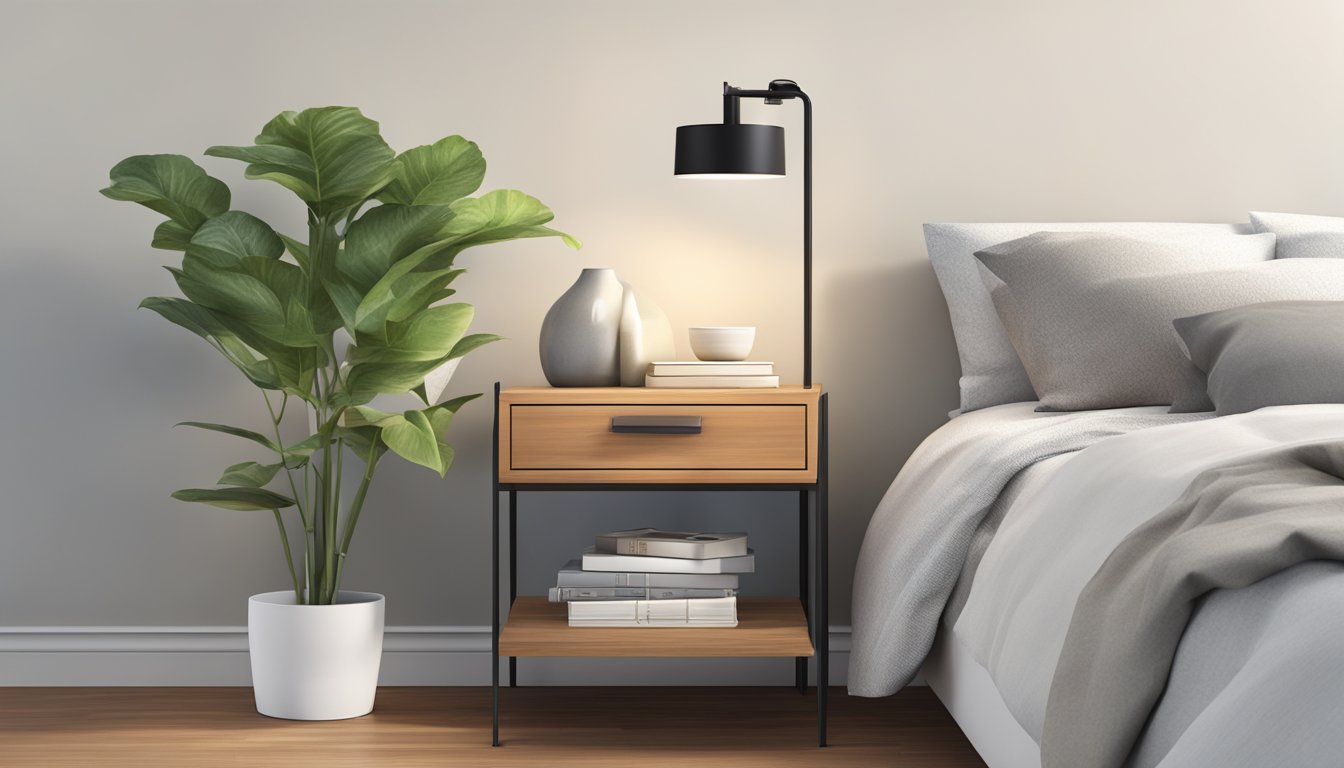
pixel 607 561
pixel 711 382
pixel 656 543
pixel 573 575
pixel 710 368
pixel 567 594
pixel 702 612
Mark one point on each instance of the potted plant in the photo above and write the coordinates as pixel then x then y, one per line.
pixel 359 311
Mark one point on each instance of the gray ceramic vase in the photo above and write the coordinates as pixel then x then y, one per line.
pixel 580 337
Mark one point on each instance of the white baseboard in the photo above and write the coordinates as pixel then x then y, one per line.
pixel 172 656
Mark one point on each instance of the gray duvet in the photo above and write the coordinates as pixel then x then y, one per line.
pixel 1245 686
pixel 1235 525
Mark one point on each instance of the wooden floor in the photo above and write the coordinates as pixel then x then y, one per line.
pixel 410 727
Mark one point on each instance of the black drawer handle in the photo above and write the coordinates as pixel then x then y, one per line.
pixel 656 425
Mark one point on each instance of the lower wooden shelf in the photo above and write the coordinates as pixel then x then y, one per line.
pixel 766 626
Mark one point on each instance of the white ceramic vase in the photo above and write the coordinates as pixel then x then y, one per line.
pixel 315 662
pixel 579 341
pixel 646 336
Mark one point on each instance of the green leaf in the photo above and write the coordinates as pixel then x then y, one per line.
pixel 298 250
pixel 256 296
pixel 247 434
pixel 233 236
pixel 205 324
pixel 427 337
pixel 250 474
pixel 361 440
pixel 171 236
pixel 244 499
pixel 440 418
pixel 365 416
pixel 172 185
pixel 436 174
pixel 504 214
pixel 456 403
pixel 331 157
pixel 410 435
pixel 297 455
pixel 468 343
pixel 383 236
pixel 234 293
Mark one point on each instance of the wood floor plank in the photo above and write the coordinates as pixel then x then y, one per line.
pixel 541 727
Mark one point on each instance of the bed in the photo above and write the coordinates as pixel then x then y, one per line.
pixel 1126 585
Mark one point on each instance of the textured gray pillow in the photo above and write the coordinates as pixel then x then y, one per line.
pixel 991 373
pixel 1301 236
pixel 1276 353
pixel 1094 329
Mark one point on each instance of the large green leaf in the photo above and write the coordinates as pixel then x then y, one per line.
pixel 174 186
pixel 250 474
pixel 504 214
pixel 232 236
pixel 436 174
pixel 256 296
pixel 331 157
pixel 234 293
pixel 384 235
pixel 244 499
pixel 208 326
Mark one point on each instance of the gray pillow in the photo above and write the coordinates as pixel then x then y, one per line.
pixel 1090 315
pixel 1301 236
pixel 1276 353
pixel 991 373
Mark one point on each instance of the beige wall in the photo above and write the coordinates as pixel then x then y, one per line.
pixel 1053 110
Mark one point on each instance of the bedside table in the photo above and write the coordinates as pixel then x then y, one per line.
pixel 635 438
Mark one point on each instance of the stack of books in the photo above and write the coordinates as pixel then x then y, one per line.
pixel 651 578
pixel 699 374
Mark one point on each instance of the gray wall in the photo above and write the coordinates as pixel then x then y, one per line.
pixel 1050 110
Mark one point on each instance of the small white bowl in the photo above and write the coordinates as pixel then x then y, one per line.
pixel 722 343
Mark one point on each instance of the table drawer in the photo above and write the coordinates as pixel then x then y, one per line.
pixel 732 438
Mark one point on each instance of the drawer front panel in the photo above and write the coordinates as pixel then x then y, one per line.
pixel 731 437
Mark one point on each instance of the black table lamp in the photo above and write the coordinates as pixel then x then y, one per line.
pixel 733 149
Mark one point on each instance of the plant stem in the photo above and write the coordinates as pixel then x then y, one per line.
pixel 289 557
pixel 298 502
pixel 280 444
pixel 369 463
pixel 330 500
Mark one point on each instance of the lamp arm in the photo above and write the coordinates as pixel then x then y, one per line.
pixel 790 90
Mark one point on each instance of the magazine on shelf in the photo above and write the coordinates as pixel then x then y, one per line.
pixel 604 561
pixel 573 575
pixel 567 594
pixel 656 543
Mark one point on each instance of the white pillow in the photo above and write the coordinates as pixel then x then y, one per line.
pixel 991 373
pixel 1301 236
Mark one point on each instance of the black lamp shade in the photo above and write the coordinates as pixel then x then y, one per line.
pixel 730 149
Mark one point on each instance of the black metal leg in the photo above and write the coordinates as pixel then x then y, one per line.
pixel 822 621
pixel 494 575
pixel 513 574
pixel 800 663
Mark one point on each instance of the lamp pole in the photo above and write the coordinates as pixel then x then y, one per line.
pixel 775 94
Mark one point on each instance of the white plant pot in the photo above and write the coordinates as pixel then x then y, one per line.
pixel 315 662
